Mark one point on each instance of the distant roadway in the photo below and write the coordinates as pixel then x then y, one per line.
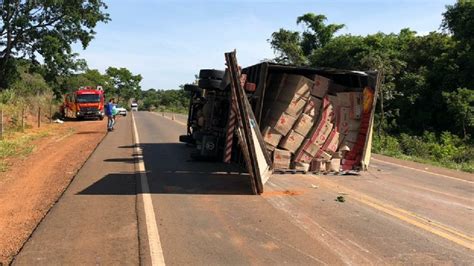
pixel 150 204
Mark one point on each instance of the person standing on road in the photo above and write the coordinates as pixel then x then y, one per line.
pixel 109 113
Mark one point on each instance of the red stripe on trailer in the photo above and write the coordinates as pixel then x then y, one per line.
pixel 230 134
pixel 231 124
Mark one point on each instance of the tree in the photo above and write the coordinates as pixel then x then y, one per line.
pixel 287 45
pixel 46 28
pixel 91 77
pixel 461 105
pixel 316 34
pixel 295 48
pixel 459 20
pixel 123 83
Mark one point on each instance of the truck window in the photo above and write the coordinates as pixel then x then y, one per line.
pixel 87 98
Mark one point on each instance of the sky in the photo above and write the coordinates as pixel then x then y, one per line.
pixel 167 42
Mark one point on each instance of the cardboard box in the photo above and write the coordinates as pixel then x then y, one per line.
pixel 294 84
pixel 293 106
pixel 311 148
pixel 351 136
pixel 270 148
pixel 304 124
pixel 354 125
pixel 321 86
pixel 356 105
pixel 334 165
pixel 333 100
pixel 271 136
pixel 283 124
pixel 292 141
pixel 324 156
pixel 281 159
pixel 332 142
pixel 343 119
pixel 313 107
pixel 330 113
pixel 317 165
pixel 304 157
pixel 344 99
pixel 321 134
pixel 301 166
pixel 296 105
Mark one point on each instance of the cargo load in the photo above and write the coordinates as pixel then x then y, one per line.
pixel 322 118
pixel 272 117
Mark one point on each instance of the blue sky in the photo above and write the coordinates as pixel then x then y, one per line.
pixel 167 42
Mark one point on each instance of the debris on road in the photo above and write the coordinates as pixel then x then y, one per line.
pixel 340 199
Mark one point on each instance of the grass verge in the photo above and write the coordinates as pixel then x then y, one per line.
pixel 444 150
pixel 18 145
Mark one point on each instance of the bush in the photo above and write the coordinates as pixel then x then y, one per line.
pixel 446 149
pixel 386 144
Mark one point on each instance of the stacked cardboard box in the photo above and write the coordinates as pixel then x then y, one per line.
pixel 281 159
pixel 288 100
pixel 308 122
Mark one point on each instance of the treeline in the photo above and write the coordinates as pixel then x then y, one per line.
pixel 165 100
pixel 427 92
pixel 36 57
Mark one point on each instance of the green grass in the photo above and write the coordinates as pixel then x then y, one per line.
pixel 444 150
pixel 18 146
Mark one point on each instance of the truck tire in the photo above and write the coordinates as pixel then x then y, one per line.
pixel 192 88
pixel 186 139
pixel 211 74
pixel 210 84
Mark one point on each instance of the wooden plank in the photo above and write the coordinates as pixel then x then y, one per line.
pixel 257 159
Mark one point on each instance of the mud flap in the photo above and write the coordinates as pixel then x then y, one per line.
pixel 257 159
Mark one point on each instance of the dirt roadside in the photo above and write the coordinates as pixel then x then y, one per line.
pixel 34 183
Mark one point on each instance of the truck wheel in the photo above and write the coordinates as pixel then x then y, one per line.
pixel 211 74
pixel 210 84
pixel 192 88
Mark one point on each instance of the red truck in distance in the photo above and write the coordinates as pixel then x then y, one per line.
pixel 86 102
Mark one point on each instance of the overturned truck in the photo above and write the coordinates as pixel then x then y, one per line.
pixel 283 119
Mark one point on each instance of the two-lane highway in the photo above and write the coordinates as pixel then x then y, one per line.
pixel 151 204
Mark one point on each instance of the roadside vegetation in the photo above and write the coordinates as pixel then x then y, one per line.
pixel 173 101
pixel 38 66
pixel 425 106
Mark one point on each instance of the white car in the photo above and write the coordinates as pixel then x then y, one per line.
pixel 134 107
pixel 121 110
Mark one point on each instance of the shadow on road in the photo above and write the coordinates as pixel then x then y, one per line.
pixel 120 160
pixel 90 132
pixel 171 171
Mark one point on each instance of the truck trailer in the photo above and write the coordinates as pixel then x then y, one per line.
pixel 299 119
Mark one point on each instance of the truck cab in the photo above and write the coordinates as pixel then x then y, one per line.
pixel 87 102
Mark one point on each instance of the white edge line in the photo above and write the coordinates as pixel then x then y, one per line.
pixel 154 243
pixel 427 172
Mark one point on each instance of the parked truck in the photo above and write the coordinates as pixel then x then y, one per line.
pixel 86 102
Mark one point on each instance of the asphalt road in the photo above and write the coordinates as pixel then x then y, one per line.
pixel 151 204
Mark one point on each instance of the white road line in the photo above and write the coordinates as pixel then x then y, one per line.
pixel 427 172
pixel 154 243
